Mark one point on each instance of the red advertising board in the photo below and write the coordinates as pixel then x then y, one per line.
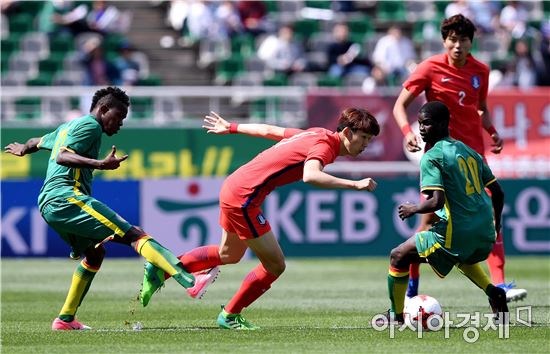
pixel 522 117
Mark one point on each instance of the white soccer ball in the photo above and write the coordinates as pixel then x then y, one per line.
pixel 424 310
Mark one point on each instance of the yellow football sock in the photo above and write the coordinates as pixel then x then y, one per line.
pixel 476 274
pixel 155 253
pixel 82 279
pixel 398 279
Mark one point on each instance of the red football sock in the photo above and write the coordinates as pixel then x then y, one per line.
pixel 414 270
pixel 496 261
pixel 254 285
pixel 200 258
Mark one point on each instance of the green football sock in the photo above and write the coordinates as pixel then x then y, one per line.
pixel 158 255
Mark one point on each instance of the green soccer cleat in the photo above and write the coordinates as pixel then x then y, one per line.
pixel 234 321
pixel 153 280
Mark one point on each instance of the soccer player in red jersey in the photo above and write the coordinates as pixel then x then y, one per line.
pixel 461 82
pixel 298 155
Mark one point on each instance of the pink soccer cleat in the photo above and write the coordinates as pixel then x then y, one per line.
pixel 74 325
pixel 202 281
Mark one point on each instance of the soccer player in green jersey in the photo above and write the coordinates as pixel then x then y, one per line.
pixel 453 177
pixel 83 222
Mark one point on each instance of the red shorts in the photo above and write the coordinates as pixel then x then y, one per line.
pixel 247 222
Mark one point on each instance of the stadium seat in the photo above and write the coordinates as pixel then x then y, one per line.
pixel 141 107
pixel 360 26
pixel 151 80
pixel 242 44
pixel 425 29
pixel 318 4
pixel 317 60
pixel 390 11
pixel 304 80
pixel 276 80
pixel 319 41
pixel 168 109
pixel 43 79
pixel 419 10
pixel 252 78
pixel 24 64
pixel 28 108
pixel 13 79
pixel 36 43
pixel 61 44
pixel 329 81
pixel 69 78
pixel 254 64
pixel 305 28
pixel 20 23
pixel 228 69
pixel 354 80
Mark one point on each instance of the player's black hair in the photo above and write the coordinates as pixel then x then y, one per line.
pixel 436 110
pixel 358 119
pixel 459 25
pixel 111 97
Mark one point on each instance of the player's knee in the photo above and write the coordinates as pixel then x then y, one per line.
pixel 132 235
pixel 231 257
pixel 396 257
pixel 276 268
pixel 95 256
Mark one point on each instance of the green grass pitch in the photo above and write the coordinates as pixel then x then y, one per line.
pixel 317 306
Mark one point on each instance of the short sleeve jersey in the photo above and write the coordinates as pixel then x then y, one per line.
pixel 281 164
pixel 461 89
pixel 460 172
pixel 81 136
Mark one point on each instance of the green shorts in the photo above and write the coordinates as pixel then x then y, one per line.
pixel 83 221
pixel 429 245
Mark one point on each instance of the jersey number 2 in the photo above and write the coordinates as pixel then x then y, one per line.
pixel 470 165
pixel 462 96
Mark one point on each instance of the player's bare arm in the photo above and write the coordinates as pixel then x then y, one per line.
pixel 215 124
pixel 497 197
pixel 71 159
pixel 400 114
pixel 19 149
pixel 314 174
pixel 498 143
pixel 435 201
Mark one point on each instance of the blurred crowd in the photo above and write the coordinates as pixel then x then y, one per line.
pixel 522 42
pixel 510 38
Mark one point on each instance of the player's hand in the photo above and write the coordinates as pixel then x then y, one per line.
pixel 215 124
pixel 406 210
pixel 367 183
pixel 16 149
pixel 112 162
pixel 413 142
pixel 497 144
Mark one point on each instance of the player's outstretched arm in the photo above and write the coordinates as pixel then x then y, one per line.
pixel 19 149
pixel 215 124
pixel 314 174
pixel 435 201
pixel 71 159
pixel 400 114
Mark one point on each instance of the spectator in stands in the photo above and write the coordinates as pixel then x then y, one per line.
pixel 344 56
pixel 103 19
pixel 458 7
pixel 282 53
pixel 126 68
pixel 227 19
pixel 99 71
pixel 513 19
pixel 59 16
pixel 253 17
pixel 200 18
pixel 521 71
pixel 485 15
pixel 544 55
pixel 393 53
pixel 9 7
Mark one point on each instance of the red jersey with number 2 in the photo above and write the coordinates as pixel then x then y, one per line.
pixel 281 164
pixel 460 89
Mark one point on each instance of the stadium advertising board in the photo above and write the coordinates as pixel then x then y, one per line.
pixel 183 214
pixel 522 117
pixel 153 153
